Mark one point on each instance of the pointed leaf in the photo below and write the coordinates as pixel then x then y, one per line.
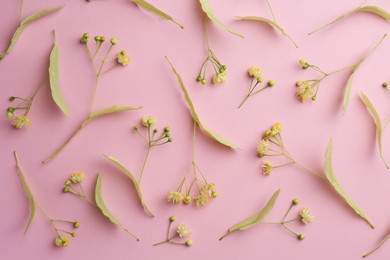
pixel 102 206
pixel 154 10
pixel 336 185
pixel 348 87
pixel 26 22
pixel 378 123
pixel 269 22
pixel 258 217
pixel 53 76
pixel 108 111
pixel 379 11
pixel 208 10
pixel 133 180
pixel 28 193
pixel 195 116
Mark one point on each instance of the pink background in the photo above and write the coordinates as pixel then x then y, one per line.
pixel 336 233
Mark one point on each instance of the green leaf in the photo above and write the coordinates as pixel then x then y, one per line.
pixel 108 111
pixel 195 116
pixel 378 123
pixel 269 22
pixel 28 193
pixel 336 185
pixel 26 22
pixel 154 10
pixel 133 180
pixel 53 76
pixel 102 206
pixel 208 10
pixel 379 11
pixel 256 218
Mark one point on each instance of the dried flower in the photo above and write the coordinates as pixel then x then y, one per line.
pixel 175 197
pixel 21 121
pixel 262 148
pixel 183 230
pixel 62 241
pixel 77 177
pixel 123 58
pixel 305 91
pixel 202 200
pixel 219 78
pixel 306 217
pixel 267 168
pixel 255 72
pixel 148 121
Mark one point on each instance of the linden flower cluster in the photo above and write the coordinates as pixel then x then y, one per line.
pixel 272 145
pixel 20 121
pixel 256 74
pixel 73 185
pixel 182 231
pixel 218 67
pixel 63 236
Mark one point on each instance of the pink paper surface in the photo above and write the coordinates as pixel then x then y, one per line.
pixel 336 233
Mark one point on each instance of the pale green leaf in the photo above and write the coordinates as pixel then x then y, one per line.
pixel 195 116
pixel 133 180
pixel 26 22
pixel 154 10
pixel 336 185
pixel 259 216
pixel 53 76
pixel 102 206
pixel 378 123
pixel 269 22
pixel 108 111
pixel 208 10
pixel 28 193
pixel 375 10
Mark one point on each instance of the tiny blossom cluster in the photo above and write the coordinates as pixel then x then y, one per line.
pixel 219 69
pixel 305 215
pixel 205 194
pixel 182 231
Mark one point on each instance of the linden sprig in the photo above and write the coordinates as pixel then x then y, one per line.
pixel 212 60
pixel 99 57
pixel 182 231
pixel 256 74
pixel 304 216
pixel 62 235
pixel 152 139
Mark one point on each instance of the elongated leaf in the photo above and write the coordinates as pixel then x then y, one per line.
pixel 195 116
pixel 378 123
pixel 108 111
pixel 53 76
pixel 102 206
pixel 28 193
pixel 269 22
pixel 154 10
pixel 133 180
pixel 208 10
pixel 26 22
pixel 336 185
pixel 258 217
pixel 379 11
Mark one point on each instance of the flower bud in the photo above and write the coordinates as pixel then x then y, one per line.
pixel 301 236
pixel 102 38
pixel 203 81
pixel 295 202
pixel 172 218
pixel 313 98
pixel 9 114
pixel 199 78
pixel 65 244
pixel 271 83
pixel 12 98
pixel 66 189
pixel 68 183
pixel 187 199
pixel 97 38
pixel 385 84
pixel 76 224
pixel 170 139
pixel 114 41
pixel 135 127
pixel 189 243
pixel 11 109
pixel 73 234
pixel 167 129
pixel 214 194
pixel 86 35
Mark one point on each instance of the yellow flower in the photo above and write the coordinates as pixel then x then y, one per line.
pixel 148 120
pixel 61 241
pixel 21 121
pixel 305 91
pixel 123 58
pixel 267 168
pixel 202 200
pixel 175 197
pixel 262 147
pixel 304 64
pixel 183 230
pixel 255 72
pixel 77 177
pixel 276 128
pixel 306 218
pixel 219 78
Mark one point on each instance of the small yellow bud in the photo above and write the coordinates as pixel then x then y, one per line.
pixel 102 38
pixel 187 199
pixel 189 243
pixel 170 139
pixel 295 202
pixel 172 218
pixel 68 183
pixel 86 35
pixel 114 41
pixel 301 236
pixel 135 127
pixel 385 84
pixel 73 234
pixel 203 81
pixel 271 83
pixel 12 98
pixel 214 194
pixel 9 114
pixel 167 129
pixel 155 130
pixel 66 189
pixel 199 78
pixel 97 38
pixel 76 224
pixel 65 244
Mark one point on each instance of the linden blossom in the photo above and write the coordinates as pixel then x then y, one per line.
pixel 182 231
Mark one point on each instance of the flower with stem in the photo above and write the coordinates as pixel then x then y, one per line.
pixel 196 189
pixel 182 231
pixel 218 67
pixel 99 58
pixel 62 235
pixel 256 74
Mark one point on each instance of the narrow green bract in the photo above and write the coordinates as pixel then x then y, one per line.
pixel 108 111
pixel 336 185
pixel 53 76
pixel 378 123
pixel 208 10
pixel 154 10
pixel 195 116
pixel 26 22
pixel 133 180
pixel 28 193
pixel 375 10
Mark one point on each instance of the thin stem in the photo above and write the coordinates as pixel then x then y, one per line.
pixel 193 142
pixel 287 212
pixel 378 246
pixel 243 101
pixel 228 233
pixel 20 12
pixel 162 242
pixel 94 93
pixel 289 230
pixel 34 95
pixel 143 166
pixel 206 32
pixel 272 12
